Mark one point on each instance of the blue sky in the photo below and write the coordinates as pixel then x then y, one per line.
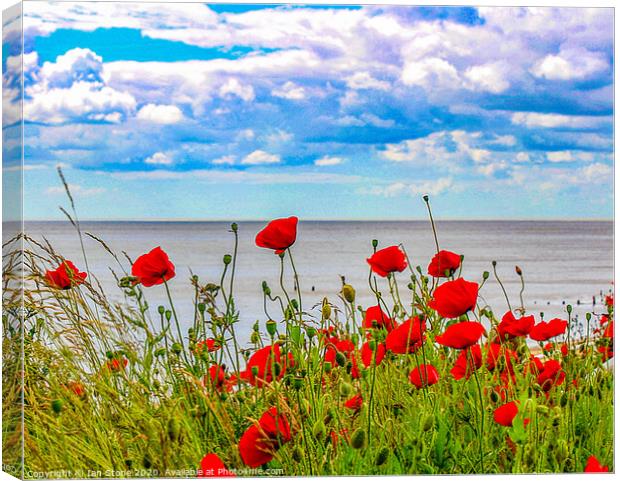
pixel 233 112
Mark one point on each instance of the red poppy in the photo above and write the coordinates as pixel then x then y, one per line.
pixel 550 375
pixel 609 330
pixel 367 354
pixel 65 276
pixel 153 268
pixel 534 366
pixel 212 466
pixel 407 337
pixel 385 261
pixel 116 365
pixel 279 234
pixel 609 301
pixel 454 298
pixel 343 433
pixel 594 466
pixel 444 264
pixel 498 354
pixel 468 361
pixel 604 318
pixel 376 318
pixel 355 403
pixel 461 335
pixel 335 346
pixel 564 349
pixel 546 330
pixel 264 361
pixel 506 413
pixel 511 327
pixel 210 344
pixel 424 375
pixel 607 352
pixel 216 377
pixel 355 370
pixel 260 441
pixel 77 388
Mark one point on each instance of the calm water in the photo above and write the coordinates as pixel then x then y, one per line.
pixel 561 261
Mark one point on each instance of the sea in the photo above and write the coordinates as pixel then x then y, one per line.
pixel 563 262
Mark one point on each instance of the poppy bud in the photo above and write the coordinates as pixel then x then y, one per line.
pixel 277 368
pixel 375 243
pixel 485 275
pixel 297 454
pixel 227 259
pixel 569 308
pixel 429 422
pixel 191 333
pixel 382 456
pixel 160 352
pixel 311 331
pixel 294 304
pixel 410 286
pixel 542 409
pixel 168 315
pixel 57 405
pixel 340 359
pixel 176 348
pixel 425 197
pixel 318 430
pixel 201 307
pixel 281 337
pixel 161 309
pixel 372 344
pixel 345 389
pixel 494 263
pixel 348 292
pixel 494 396
pixel 174 429
pixel 588 316
pixel 298 383
pixel 234 227
pixel 272 327
pixel 563 399
pixel 255 337
pixel 223 396
pixel 254 370
pixel 327 367
pixel 326 309
pixel 519 271
pixel 358 440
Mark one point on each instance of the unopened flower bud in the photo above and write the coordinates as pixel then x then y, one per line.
pixel 569 308
pixel 318 430
pixel 57 405
pixel 519 271
pixel 298 383
pixel 375 243
pixel 311 331
pixel 345 389
pixel 425 197
pixel 254 370
pixel 168 315
pixel 485 275
pixel 272 327
pixel 161 309
pixel 326 309
pixel 358 439
pixel 255 337
pixel 177 348
pixel 227 259
pixel 201 307
pixel 234 227
pixel 348 292
pixel 327 367
pixel 341 359
pixel 382 456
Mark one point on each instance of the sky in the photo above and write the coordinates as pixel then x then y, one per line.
pixel 197 111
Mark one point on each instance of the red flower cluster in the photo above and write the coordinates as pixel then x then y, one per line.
pixel 594 466
pixel 355 403
pixel 407 337
pixel 546 330
pixel 279 234
pixel 261 365
pixel 511 327
pixel 65 276
pixel 424 375
pixel 212 466
pixel 461 335
pixel 260 441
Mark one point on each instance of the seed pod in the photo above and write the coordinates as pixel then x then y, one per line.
pixel 174 429
pixel 345 389
pixel 563 400
pixel 375 243
pixel 326 309
pixel 348 292
pixel 227 259
pixel 341 359
pixel 311 331
pixel 318 430
pixel 485 275
pixel 297 454
pixel 160 352
pixel 272 327
pixel 494 396
pixel 255 337
pixel 429 422
pixel 298 383
pixel 161 310
pixel 176 348
pixel 382 456
pixel 57 405
pixel 327 367
pixel 358 439
pixel 201 307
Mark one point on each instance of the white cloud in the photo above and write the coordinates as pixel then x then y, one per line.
pixel 429 187
pixel 278 137
pixel 490 169
pixel 260 157
pixel 431 73
pixel 595 173
pixel 327 161
pixel 160 114
pixel 290 91
pixel 522 157
pixel 224 160
pixel 490 77
pixel 507 140
pixel 76 190
pixel 560 156
pixel 159 158
pixel 233 87
pixel 535 119
pixel 571 63
pixel 245 134
pixel 363 80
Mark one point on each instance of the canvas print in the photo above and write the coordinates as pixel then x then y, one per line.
pixel 306 240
